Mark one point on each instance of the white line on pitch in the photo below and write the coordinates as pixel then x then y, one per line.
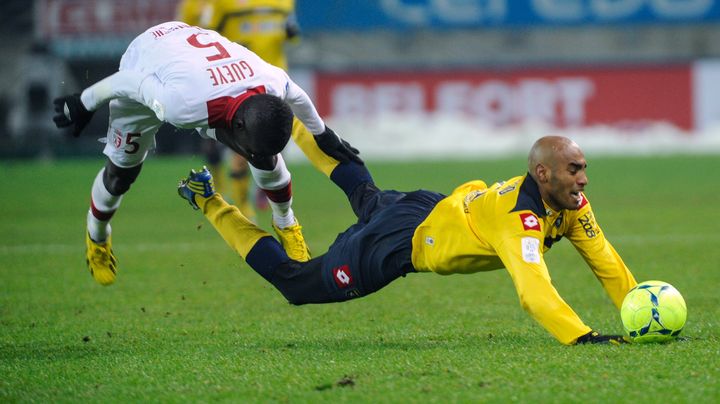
pixel 130 247
pixel 188 246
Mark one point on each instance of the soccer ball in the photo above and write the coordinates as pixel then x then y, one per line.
pixel 653 311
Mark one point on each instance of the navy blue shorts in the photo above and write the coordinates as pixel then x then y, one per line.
pixel 376 250
pixel 363 259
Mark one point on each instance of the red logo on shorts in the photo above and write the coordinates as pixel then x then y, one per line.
pixel 342 276
pixel 117 139
pixel 530 221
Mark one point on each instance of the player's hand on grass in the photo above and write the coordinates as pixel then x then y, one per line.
pixel 337 148
pixel 70 112
pixel 594 337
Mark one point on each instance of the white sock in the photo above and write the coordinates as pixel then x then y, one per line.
pixel 99 230
pixel 283 221
pixel 277 178
pixel 102 206
pixel 273 180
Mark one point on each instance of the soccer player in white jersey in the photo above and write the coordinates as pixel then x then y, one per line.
pixel 196 78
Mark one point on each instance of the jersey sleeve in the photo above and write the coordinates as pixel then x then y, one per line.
pixel 522 256
pixel 168 103
pixel 303 108
pixel 125 83
pixel 587 237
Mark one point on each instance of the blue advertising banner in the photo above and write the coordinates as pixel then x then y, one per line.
pixel 324 15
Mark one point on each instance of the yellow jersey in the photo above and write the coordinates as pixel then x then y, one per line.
pixel 508 225
pixel 195 12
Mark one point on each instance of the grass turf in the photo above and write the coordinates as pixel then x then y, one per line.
pixel 187 320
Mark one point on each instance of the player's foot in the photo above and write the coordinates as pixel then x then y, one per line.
pixel 100 260
pixel 293 242
pixel 197 183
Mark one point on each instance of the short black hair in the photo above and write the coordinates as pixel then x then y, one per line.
pixel 267 121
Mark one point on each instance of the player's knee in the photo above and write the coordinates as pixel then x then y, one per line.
pixel 350 176
pixel 295 300
pixel 117 180
pixel 292 296
pixel 361 196
pixel 287 282
pixel 290 282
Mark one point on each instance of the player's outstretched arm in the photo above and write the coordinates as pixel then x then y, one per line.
pixel 330 143
pixel 76 110
pixel 522 256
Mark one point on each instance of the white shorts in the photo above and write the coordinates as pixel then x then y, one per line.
pixel 132 128
pixel 131 133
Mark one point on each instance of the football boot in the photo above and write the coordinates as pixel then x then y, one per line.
pixel 293 242
pixel 101 261
pixel 197 183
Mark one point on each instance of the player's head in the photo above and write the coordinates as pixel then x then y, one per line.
pixel 558 166
pixel 261 126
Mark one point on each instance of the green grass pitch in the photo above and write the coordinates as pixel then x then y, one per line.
pixel 188 321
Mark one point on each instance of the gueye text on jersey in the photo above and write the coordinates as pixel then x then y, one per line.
pixel 230 73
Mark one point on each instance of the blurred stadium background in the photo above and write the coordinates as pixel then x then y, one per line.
pixel 409 78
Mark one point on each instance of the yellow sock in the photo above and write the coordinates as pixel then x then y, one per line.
pixel 240 194
pixel 305 140
pixel 239 232
pixel 218 173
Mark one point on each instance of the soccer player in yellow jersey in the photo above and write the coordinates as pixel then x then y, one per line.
pixel 510 224
pixel 264 27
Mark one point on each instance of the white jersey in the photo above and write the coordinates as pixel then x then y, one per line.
pixel 195 78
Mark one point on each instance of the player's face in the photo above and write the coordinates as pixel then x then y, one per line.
pixel 239 142
pixel 568 179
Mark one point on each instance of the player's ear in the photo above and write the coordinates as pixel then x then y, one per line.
pixel 542 173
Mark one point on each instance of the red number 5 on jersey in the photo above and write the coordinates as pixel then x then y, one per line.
pixel 222 52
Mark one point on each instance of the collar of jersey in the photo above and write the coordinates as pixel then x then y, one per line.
pixel 529 198
pixel 235 102
pixel 222 110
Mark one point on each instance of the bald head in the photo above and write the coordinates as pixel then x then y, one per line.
pixel 548 151
pixel 558 166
